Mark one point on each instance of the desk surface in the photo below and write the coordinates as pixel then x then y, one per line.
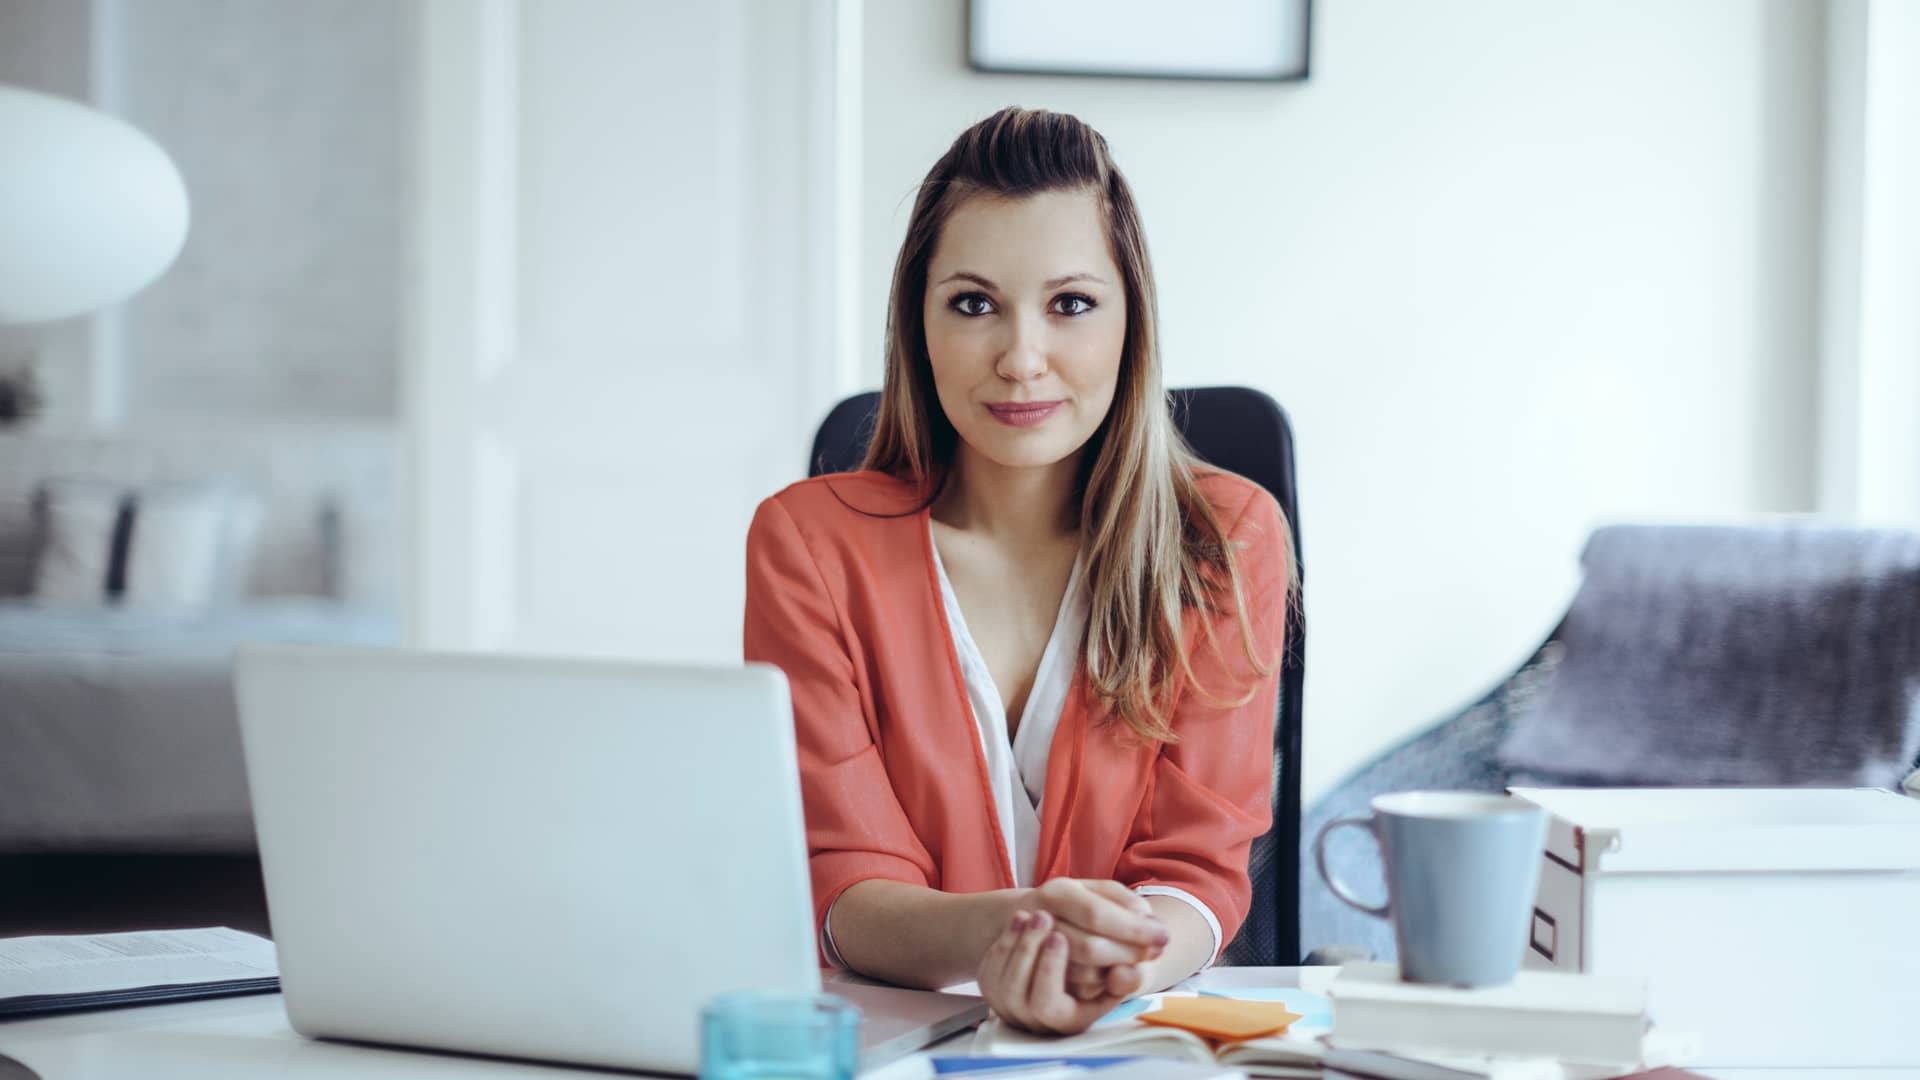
pixel 249 1037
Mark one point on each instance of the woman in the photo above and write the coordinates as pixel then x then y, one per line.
pixel 1033 645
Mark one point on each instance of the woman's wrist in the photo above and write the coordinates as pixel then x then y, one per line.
pixel 987 916
pixel 915 936
pixel 1188 952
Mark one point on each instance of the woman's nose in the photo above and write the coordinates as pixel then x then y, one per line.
pixel 1025 355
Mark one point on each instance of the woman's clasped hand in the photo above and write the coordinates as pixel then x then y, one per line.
pixel 1077 949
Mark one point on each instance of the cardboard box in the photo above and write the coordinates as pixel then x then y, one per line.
pixel 1781 925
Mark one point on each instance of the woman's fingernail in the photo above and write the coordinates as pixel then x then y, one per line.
pixel 1042 920
pixel 1020 920
pixel 1056 941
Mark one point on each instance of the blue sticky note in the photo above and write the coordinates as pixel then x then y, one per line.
pixel 1126 1010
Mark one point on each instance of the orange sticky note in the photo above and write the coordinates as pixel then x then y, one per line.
pixel 1222 1018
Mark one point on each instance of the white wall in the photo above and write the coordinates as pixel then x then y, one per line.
pixel 287 124
pixel 1514 268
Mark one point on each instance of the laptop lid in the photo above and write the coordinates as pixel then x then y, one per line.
pixel 538 858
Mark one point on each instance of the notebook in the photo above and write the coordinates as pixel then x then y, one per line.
pixel 61 972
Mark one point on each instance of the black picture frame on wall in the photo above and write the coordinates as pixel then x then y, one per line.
pixel 1207 40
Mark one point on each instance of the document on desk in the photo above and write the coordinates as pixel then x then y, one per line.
pixel 56 972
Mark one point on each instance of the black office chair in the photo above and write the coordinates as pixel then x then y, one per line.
pixel 1246 432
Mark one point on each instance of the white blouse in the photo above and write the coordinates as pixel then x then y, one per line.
pixel 1017 767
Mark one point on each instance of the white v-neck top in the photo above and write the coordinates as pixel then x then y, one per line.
pixel 1017 767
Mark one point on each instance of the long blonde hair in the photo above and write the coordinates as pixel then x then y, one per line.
pixel 1154 546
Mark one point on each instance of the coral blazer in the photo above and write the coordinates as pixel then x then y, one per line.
pixel 842 596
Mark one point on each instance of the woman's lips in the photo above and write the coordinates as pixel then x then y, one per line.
pixel 1023 413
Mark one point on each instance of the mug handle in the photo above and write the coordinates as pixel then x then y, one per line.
pixel 1340 888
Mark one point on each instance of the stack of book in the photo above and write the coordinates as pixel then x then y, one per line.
pixel 1545 1025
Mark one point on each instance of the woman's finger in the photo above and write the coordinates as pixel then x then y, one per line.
pixel 993 967
pixel 1093 950
pixel 1075 904
pixel 995 959
pixel 1120 894
pixel 1125 980
pixel 1049 1007
pixel 1017 975
pixel 1084 982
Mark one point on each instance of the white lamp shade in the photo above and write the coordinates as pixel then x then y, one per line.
pixel 91 209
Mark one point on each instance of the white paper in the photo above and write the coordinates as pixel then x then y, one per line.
pixel 91 963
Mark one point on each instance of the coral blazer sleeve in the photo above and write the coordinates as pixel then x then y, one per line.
pixel 1209 794
pixel 856 828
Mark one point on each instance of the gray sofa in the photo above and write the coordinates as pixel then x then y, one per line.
pixel 117 726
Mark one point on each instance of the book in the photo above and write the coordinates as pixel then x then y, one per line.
pixel 1412 1069
pixel 1659 1048
pixel 1168 1070
pixel 1295 1053
pixel 945 1065
pixel 1560 1016
pixel 59 972
pixel 1110 1068
pixel 1380 1065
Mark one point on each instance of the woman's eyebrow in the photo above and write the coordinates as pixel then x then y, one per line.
pixel 968 275
pixel 1059 281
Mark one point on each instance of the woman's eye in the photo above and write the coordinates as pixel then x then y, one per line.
pixel 1073 305
pixel 971 304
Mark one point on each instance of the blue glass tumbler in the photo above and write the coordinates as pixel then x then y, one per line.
pixel 756 1035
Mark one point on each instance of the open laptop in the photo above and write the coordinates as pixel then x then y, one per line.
pixel 547 859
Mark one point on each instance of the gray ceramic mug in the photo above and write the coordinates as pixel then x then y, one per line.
pixel 1462 869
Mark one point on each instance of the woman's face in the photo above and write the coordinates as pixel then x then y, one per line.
pixel 1025 317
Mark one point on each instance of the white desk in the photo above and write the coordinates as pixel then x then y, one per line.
pixel 249 1037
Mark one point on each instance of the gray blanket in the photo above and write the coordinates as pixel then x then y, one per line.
pixel 118 730
pixel 1779 655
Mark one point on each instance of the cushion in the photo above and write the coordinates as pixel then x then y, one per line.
pixel 362 559
pixel 1772 655
pixel 75 558
pixel 239 542
pixel 174 556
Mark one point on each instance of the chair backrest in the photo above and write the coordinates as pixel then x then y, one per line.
pixel 1246 432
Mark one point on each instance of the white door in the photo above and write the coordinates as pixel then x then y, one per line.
pixel 626 317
